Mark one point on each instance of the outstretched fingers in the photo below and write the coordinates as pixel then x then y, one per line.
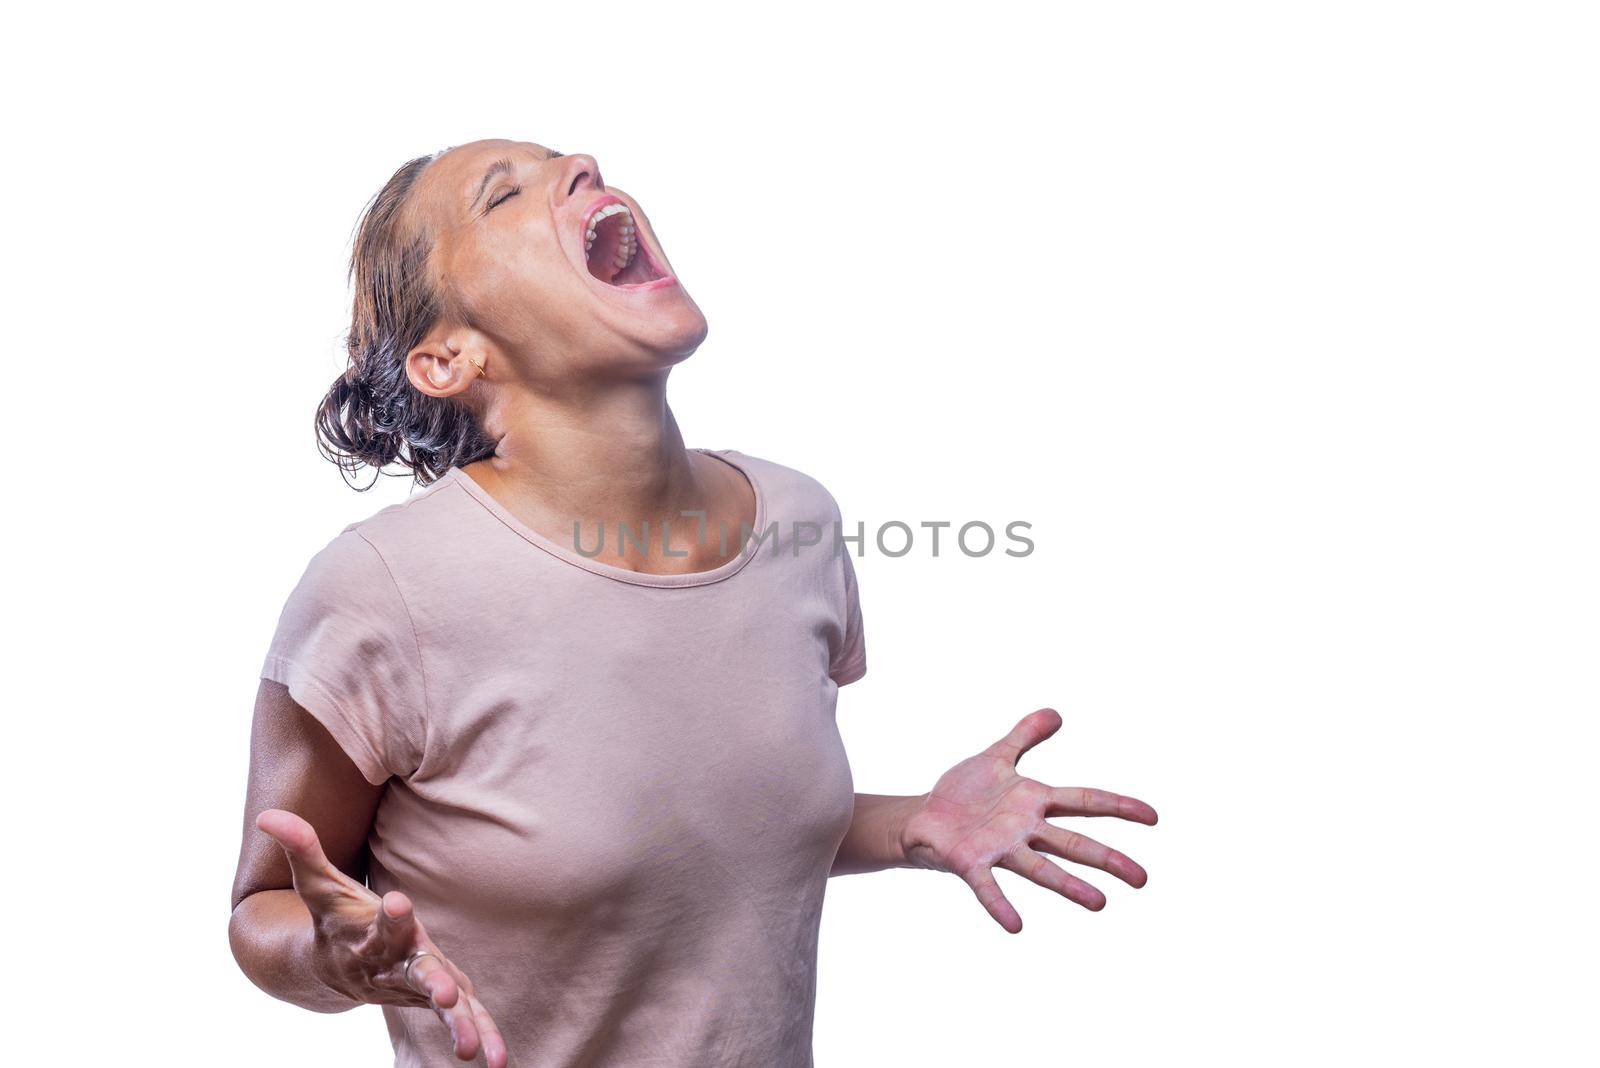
pixel 1082 801
pixel 448 990
pixel 1081 849
pixel 494 1044
pixel 981 880
pixel 1032 729
pixel 395 937
pixel 434 978
pixel 1030 865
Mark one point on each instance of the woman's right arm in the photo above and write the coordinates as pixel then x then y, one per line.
pixel 305 928
pixel 295 766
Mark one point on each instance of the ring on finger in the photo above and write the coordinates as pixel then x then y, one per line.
pixel 416 955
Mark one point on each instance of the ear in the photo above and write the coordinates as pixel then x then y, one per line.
pixel 443 365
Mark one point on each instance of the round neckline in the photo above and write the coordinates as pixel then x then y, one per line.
pixel 596 566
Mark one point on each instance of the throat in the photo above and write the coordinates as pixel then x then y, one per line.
pixel 686 544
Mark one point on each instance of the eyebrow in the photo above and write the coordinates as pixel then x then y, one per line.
pixel 499 166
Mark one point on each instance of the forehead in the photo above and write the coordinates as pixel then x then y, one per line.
pixel 447 185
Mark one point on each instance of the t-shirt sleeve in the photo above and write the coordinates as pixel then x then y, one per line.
pixel 849 661
pixel 347 652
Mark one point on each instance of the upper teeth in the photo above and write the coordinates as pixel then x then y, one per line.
pixel 627 246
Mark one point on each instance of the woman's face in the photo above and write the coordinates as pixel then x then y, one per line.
pixel 510 224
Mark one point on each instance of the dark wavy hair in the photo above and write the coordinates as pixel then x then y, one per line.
pixel 373 416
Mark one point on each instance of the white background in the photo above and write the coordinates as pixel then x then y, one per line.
pixel 1277 321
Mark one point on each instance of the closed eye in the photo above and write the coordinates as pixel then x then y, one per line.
pixel 502 198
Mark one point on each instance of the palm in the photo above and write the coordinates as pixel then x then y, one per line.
pixel 982 814
pixel 977 811
pixel 375 949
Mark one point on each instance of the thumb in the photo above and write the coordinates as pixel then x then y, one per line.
pixel 315 877
pixel 1032 729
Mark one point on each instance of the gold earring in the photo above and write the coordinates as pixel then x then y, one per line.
pixel 481 372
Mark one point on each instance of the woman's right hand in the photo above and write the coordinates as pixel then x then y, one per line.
pixel 362 944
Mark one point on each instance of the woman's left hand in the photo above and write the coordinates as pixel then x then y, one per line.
pixel 981 814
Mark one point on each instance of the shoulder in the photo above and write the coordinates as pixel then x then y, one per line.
pixel 347 576
pixel 430 510
pixel 400 543
pixel 788 493
pixel 361 564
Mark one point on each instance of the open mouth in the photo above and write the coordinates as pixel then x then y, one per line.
pixel 613 250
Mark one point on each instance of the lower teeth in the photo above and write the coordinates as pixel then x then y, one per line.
pixel 626 252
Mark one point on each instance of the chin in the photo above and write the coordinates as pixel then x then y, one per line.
pixel 668 334
pixel 688 335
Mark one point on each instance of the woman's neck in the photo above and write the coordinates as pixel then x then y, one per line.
pixel 612 454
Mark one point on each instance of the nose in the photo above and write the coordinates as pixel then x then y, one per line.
pixel 581 172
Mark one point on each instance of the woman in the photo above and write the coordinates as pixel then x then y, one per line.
pixel 596 795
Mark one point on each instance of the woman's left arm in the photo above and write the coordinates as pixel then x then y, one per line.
pixel 982 814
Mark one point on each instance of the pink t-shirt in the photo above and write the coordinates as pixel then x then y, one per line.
pixel 614 797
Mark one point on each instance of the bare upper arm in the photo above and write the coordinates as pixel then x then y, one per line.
pixel 296 765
